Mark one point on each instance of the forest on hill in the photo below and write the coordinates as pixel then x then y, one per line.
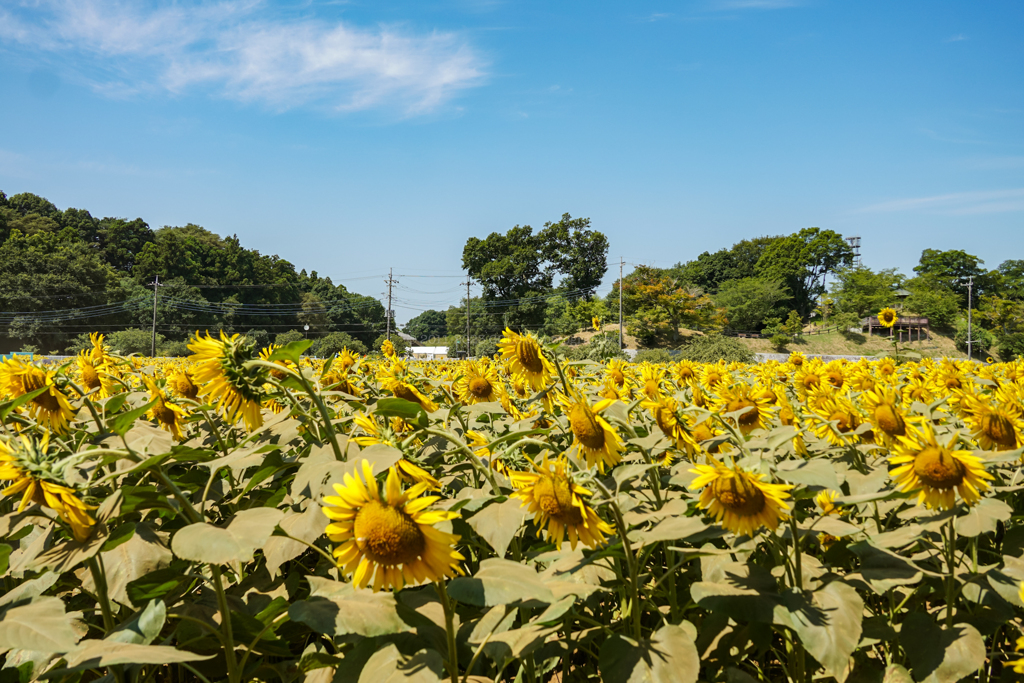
pixel 66 273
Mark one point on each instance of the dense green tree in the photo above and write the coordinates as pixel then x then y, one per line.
pixel 426 325
pixel 709 271
pixel 863 292
pixel 932 299
pixel 336 342
pixel 749 301
pixel 519 268
pixel 803 260
pixel 1011 279
pixel 954 268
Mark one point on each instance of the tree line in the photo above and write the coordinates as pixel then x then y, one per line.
pixel 66 273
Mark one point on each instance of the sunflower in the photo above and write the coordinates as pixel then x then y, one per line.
pixel 740 501
pixel 166 414
pixel 652 380
pixel 936 471
pixel 183 385
pixel 269 351
pixel 884 414
pixel 595 322
pixel 826 501
pixel 387 348
pixel 479 383
pixel 996 425
pixel 93 368
pixel 713 375
pixel 557 502
pixel 526 358
pixel 835 374
pixel 887 317
pixel 664 413
pixel 51 408
pixel 222 376
pixel 344 360
pixel 742 396
pixel 797 359
pixel 393 378
pixel 388 539
pixel 35 472
pixel 836 420
pixel 618 372
pixel 593 437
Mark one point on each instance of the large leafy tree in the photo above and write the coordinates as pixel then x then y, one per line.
pixel 656 303
pixel 709 271
pixel 861 291
pixel 519 268
pixel 955 269
pixel 750 301
pixel 427 325
pixel 803 260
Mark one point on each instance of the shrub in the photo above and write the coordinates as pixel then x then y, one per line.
pixel 983 339
pixel 288 337
pixel 779 341
pixel 134 340
pixel 486 347
pixel 1011 347
pixel 335 342
pixel 261 338
pixel 653 356
pixel 712 348
pixel 174 349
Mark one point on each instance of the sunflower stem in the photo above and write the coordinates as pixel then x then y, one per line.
pixel 474 460
pixel 100 579
pixel 449 627
pixel 225 616
pixel 951 568
pixel 631 562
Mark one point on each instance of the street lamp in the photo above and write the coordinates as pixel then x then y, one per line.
pixel 306 328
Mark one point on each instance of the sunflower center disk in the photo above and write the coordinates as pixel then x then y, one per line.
pixel 554 496
pixel 937 467
pixel 748 418
pixel 402 390
pixel 90 377
pixel 388 535
pixel 740 496
pixel 585 426
pixel 1000 430
pixel 480 387
pixel 164 414
pixel 889 421
pixel 844 421
pixel 528 354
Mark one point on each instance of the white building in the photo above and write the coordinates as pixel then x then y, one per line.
pixel 429 352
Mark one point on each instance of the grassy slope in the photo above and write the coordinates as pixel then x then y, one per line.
pixel 861 345
pixel 832 344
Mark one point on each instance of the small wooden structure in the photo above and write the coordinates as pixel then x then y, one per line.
pixel 904 323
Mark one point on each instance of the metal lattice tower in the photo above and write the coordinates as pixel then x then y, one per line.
pixel 855 245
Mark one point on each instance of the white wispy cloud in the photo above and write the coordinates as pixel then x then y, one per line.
pixel 956 39
pixel 958 203
pixel 238 49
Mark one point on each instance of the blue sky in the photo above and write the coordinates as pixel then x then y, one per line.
pixel 352 137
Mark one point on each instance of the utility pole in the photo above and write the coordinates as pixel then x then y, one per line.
pixel 621 263
pixel 391 282
pixel 156 283
pixel 970 333
pixel 469 280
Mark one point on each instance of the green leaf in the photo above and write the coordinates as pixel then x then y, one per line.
pixel 143 627
pixel 122 422
pixel 500 582
pixel 158 584
pixel 114 403
pixel 498 523
pixel 339 609
pixel 882 569
pixel 5 558
pixel 291 351
pixel 144 552
pixel 938 654
pixel 829 624
pixel 412 413
pixel 820 472
pixel 983 517
pixel 119 535
pixel 387 665
pixel 7 406
pixel 247 531
pixel 41 625
pixel 668 657
pixel 94 654
pixel 689 529
pixel 517 643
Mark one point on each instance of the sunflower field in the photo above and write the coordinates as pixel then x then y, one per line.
pixel 255 515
